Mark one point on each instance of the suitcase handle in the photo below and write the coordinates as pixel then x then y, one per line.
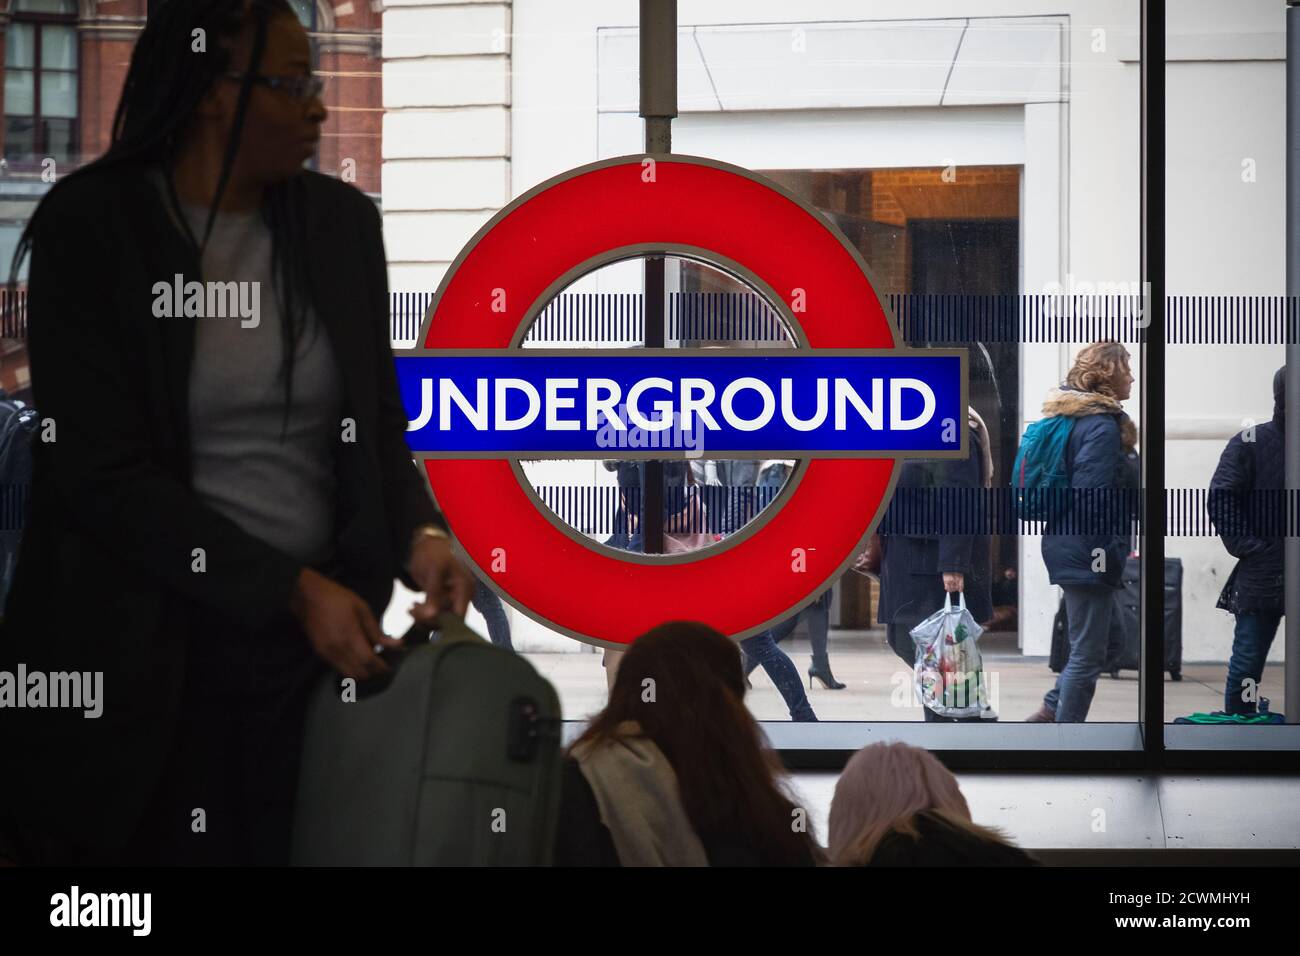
pixel 417 634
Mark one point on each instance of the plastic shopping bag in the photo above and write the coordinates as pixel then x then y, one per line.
pixel 949 673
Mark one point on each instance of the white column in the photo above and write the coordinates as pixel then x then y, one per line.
pixel 446 131
pixel 1044 231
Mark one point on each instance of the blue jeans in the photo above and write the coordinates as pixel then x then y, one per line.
pixel 762 649
pixel 487 603
pixel 1251 640
pixel 818 616
pixel 1094 621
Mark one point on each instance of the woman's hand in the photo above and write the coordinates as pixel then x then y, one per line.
pixel 341 627
pixel 954 581
pixel 446 582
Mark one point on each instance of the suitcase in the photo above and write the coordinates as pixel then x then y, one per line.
pixel 1060 652
pixel 452 759
pixel 1126 654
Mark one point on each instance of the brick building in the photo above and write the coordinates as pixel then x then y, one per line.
pixel 64 64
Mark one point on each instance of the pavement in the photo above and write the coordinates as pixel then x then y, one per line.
pixel 879 686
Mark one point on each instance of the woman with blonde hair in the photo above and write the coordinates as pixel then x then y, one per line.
pixel 897 805
pixel 1086 540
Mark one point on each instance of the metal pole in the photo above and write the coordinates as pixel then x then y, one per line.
pixel 658 67
pixel 1291 552
pixel 1151 692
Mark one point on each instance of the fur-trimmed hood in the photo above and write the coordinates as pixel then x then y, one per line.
pixel 1076 403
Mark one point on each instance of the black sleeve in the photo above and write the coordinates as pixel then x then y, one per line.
pixel 406 493
pixel 104 464
pixel 580 838
pixel 963 505
pixel 1233 479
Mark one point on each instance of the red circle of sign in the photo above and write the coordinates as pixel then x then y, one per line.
pixel 593 594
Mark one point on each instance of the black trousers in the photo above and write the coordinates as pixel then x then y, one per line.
pixel 227 791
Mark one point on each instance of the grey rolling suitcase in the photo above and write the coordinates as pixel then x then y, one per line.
pixel 451 760
pixel 1127 656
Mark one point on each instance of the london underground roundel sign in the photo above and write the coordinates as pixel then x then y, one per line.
pixel 848 401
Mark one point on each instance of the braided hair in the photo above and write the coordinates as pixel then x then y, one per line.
pixel 163 87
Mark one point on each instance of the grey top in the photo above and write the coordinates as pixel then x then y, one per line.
pixel 282 491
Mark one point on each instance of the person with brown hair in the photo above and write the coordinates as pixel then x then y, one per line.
pixel 1086 540
pixel 674 771
pixel 897 805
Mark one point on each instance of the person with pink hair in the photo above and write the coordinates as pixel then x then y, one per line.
pixel 897 805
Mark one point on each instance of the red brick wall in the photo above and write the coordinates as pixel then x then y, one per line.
pixel 354 126
pixel 353 97
pixel 974 192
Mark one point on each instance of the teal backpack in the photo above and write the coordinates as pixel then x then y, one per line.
pixel 1039 478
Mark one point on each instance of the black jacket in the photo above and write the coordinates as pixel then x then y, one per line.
pixel 914 558
pixel 1246 506
pixel 941 844
pixel 105 580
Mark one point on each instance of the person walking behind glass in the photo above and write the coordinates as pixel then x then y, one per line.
pixel 761 650
pixel 918 566
pixel 773 476
pixel 1245 505
pixel 1101 464
pixel 487 603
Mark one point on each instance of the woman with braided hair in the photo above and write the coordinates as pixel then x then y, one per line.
pixel 227 503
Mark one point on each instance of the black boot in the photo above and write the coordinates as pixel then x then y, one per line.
pixel 822 672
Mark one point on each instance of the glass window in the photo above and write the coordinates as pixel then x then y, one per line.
pixel 58 47
pixel 41 86
pixel 20 46
pixel 58 94
pixel 19 87
pixel 986 168
pixel 1225 571
pixel 65 7
pixel 305 11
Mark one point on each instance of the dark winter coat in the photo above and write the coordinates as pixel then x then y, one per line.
pixel 914 559
pixel 1102 466
pixel 1246 506
pixel 939 843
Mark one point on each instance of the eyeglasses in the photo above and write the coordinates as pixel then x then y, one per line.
pixel 299 87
